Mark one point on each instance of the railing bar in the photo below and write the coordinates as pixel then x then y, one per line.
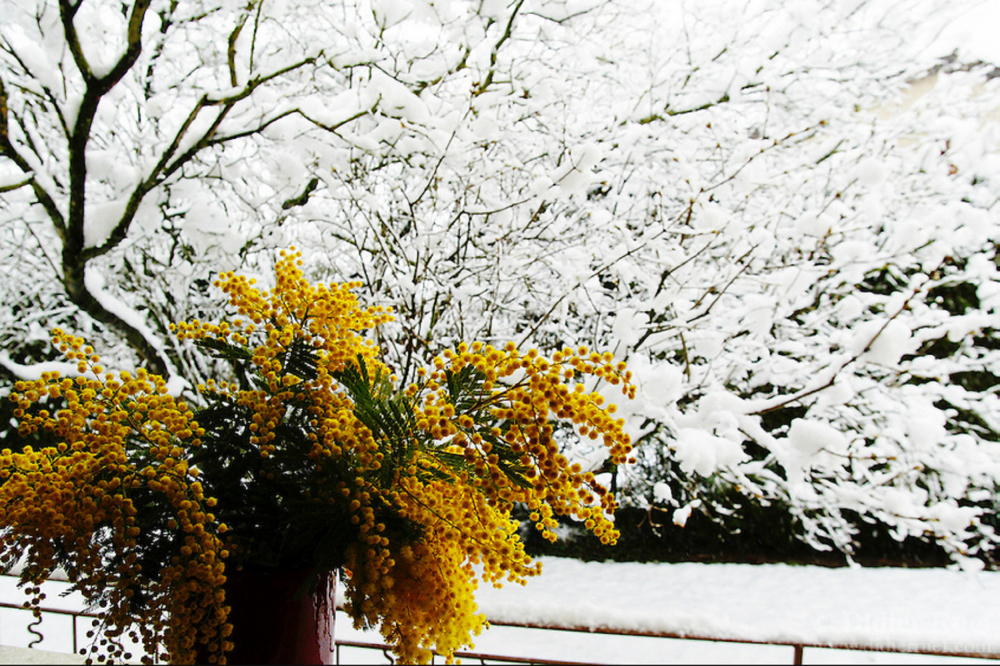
pixel 798 647
pixel 45 609
pixel 482 656
pixel 749 641
pixel 33 629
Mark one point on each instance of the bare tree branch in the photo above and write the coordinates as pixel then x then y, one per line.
pixel 166 168
pixel 16 186
pixel 75 255
pixel 231 51
pixel 8 150
pixel 784 401
pixel 67 12
pixel 488 81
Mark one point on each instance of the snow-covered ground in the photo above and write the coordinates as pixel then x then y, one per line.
pixel 930 609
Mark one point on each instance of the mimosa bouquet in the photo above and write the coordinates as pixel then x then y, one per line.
pixel 310 456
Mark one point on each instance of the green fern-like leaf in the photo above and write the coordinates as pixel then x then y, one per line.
pixel 387 413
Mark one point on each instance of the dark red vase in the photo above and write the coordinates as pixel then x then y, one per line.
pixel 277 619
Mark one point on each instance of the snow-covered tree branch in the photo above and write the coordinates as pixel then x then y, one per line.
pixel 783 214
pixel 122 126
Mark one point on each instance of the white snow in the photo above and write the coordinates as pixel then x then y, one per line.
pixel 390 12
pixel 930 609
pixel 662 493
pixel 96 284
pixel 628 326
pixel 207 226
pixel 973 34
pixel 681 515
pixel 102 218
pixel 886 342
pixel 923 609
pixel 35 370
pixel 809 437
pixel 702 452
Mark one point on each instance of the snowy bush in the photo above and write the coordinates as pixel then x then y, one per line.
pixel 783 215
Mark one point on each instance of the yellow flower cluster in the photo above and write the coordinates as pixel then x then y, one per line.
pixel 328 318
pixel 489 444
pixel 529 396
pixel 421 481
pixel 122 447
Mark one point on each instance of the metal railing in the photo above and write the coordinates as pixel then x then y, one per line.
pixel 34 627
pixel 83 623
pixel 798 647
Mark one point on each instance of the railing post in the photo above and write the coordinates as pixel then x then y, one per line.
pixel 797 659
